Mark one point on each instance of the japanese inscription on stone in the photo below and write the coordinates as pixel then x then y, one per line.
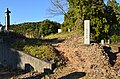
pixel 87 32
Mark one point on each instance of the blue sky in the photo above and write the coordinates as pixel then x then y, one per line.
pixel 27 11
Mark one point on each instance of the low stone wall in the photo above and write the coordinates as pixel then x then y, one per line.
pixel 17 59
pixel 29 60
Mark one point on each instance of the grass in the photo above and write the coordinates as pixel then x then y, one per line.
pixel 36 48
pixel 44 52
pixel 63 35
pixel 40 50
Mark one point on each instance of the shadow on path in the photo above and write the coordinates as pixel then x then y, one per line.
pixel 74 75
pixel 112 55
pixel 41 75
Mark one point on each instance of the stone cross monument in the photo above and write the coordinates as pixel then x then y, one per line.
pixel 7 19
pixel 87 32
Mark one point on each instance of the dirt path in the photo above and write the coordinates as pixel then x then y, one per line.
pixel 91 62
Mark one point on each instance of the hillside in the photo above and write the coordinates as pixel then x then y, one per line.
pixel 35 29
pixel 83 61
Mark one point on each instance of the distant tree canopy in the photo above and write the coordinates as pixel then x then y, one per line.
pixel 112 11
pixel 36 29
pixel 104 18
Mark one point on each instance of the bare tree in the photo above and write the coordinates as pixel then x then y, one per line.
pixel 59 7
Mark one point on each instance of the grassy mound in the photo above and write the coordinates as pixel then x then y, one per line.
pixel 36 48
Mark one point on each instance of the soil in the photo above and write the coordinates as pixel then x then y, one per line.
pixel 88 61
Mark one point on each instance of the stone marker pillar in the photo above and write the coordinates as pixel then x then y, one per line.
pixel 87 32
pixel 7 19
pixel 103 42
pixel 68 30
pixel 59 30
pixel 109 41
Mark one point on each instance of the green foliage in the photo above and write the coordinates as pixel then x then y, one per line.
pixel 48 27
pixel 73 19
pixel 44 51
pixel 36 29
pixel 105 19
pixel 113 9
pixel 18 45
pixel 115 39
pixel 36 48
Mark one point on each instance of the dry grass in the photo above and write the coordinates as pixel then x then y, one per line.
pixel 115 47
pixel 63 35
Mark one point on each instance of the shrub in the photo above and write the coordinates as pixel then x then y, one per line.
pixel 115 38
